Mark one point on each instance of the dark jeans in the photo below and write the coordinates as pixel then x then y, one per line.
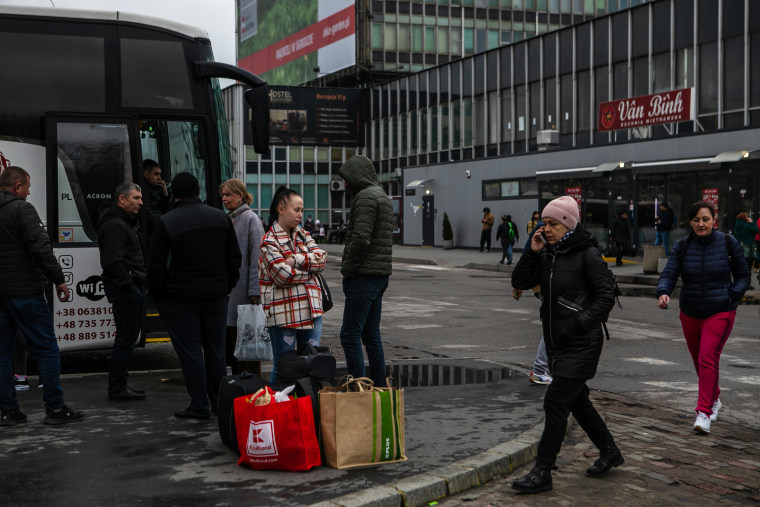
pixel 485 239
pixel 197 330
pixel 128 310
pixel 619 247
pixel 32 315
pixel 361 325
pixel 563 396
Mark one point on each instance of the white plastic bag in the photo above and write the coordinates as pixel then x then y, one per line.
pixel 253 342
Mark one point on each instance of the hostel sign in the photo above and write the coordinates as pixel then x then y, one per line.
pixel 666 107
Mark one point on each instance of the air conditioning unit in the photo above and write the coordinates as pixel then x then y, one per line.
pixel 547 139
pixel 338 186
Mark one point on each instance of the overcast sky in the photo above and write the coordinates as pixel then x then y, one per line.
pixel 217 17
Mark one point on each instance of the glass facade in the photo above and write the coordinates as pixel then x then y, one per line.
pixel 557 81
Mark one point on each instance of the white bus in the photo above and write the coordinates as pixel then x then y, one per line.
pixel 85 97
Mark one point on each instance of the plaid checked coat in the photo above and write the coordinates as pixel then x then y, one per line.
pixel 291 296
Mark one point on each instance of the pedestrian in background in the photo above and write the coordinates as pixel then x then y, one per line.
pixel 485 234
pixel 715 276
pixel 194 264
pixel 366 267
pixel 745 231
pixel 291 296
pixel 27 262
pixel 577 298
pixel 507 232
pixel 663 224
pixel 122 258
pixel 532 224
pixel 249 232
pixel 757 246
pixel 621 236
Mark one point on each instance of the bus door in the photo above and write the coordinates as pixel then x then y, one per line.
pixel 86 160
pixel 176 146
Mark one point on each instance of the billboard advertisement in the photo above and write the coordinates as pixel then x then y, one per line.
pixel 314 116
pixel 284 41
pixel 655 109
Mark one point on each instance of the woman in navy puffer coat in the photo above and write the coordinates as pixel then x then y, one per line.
pixel 715 276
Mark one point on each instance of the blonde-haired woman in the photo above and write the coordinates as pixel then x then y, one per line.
pixel 249 231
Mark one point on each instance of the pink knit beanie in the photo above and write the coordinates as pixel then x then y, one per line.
pixel 563 209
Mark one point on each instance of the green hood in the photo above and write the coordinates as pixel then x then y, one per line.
pixel 359 173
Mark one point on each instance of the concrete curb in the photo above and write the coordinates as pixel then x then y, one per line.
pixel 451 479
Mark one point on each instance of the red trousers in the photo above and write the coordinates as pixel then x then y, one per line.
pixel 705 339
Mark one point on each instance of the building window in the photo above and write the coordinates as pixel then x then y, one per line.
pixel 377 36
pixel 509 189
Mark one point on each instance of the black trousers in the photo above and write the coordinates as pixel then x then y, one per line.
pixel 485 239
pixel 197 330
pixel 565 396
pixel 128 311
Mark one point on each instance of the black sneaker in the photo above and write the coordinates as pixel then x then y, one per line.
pixel 12 417
pixel 62 416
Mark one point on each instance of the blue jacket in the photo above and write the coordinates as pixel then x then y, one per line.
pixel 706 272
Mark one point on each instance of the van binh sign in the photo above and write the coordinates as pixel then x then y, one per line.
pixel 665 107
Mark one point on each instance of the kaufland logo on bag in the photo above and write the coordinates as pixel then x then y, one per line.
pixel 261 441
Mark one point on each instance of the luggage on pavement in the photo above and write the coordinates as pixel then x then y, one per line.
pixel 234 386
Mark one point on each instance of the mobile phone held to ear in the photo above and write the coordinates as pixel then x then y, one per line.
pixel 543 237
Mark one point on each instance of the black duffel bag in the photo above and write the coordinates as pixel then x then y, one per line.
pixel 308 361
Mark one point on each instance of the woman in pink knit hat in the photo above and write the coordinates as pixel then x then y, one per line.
pixel 577 296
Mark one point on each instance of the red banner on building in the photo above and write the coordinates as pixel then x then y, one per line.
pixel 666 107
pixel 575 193
pixel 710 196
pixel 331 29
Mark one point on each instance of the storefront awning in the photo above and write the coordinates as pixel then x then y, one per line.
pixel 559 173
pixel 730 156
pixel 418 183
pixel 609 166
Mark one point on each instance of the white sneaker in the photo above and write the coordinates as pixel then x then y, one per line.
pixel 702 424
pixel 536 378
pixel 715 408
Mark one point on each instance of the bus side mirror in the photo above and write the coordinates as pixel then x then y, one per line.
pixel 258 100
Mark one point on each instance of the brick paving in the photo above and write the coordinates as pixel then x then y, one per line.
pixel 666 463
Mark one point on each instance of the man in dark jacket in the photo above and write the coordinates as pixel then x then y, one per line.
pixel 193 265
pixel 27 261
pixel 663 224
pixel 366 267
pixel 155 196
pixel 621 235
pixel 122 260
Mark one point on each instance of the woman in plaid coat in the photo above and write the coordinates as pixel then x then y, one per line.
pixel 290 294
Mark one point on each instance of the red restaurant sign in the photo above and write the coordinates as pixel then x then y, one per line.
pixel 666 107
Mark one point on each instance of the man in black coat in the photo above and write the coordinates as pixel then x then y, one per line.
pixel 621 236
pixel 27 262
pixel 193 265
pixel 122 260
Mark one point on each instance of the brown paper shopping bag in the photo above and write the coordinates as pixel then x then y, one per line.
pixel 363 427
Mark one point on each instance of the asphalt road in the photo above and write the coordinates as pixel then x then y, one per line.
pixel 434 311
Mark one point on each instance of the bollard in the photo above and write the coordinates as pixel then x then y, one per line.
pixel 652 256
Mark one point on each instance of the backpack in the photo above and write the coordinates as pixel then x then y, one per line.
pixel 511 232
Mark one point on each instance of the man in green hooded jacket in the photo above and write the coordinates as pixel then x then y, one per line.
pixel 366 266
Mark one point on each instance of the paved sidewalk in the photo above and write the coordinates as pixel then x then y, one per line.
pixel 666 463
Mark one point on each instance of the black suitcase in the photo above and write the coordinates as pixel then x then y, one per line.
pixel 307 361
pixel 234 386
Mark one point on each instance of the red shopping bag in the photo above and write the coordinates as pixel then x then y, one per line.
pixel 279 436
